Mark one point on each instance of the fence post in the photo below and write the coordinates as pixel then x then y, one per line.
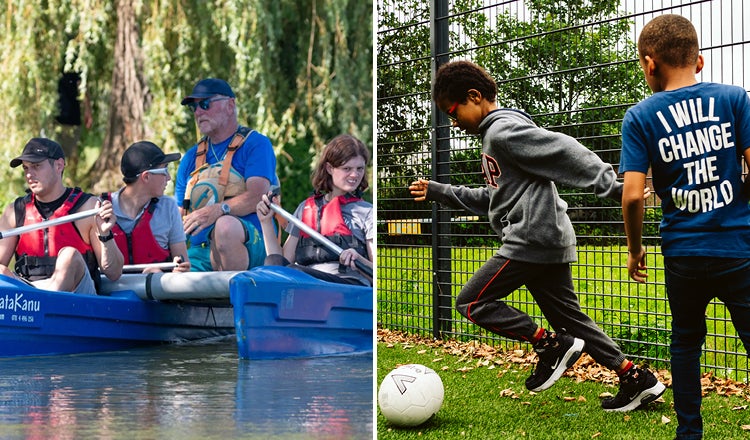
pixel 442 296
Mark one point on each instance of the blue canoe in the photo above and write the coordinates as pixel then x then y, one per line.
pixel 39 322
pixel 281 312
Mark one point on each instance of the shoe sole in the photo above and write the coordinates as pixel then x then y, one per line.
pixel 570 358
pixel 644 397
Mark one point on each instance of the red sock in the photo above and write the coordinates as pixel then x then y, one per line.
pixel 625 369
pixel 541 335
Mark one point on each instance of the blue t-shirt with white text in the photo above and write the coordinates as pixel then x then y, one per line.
pixel 693 138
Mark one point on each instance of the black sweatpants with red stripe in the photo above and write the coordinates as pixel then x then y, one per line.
pixel 551 285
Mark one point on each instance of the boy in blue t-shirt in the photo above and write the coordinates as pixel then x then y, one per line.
pixel 694 137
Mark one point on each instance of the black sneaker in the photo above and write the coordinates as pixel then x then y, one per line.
pixel 558 353
pixel 638 387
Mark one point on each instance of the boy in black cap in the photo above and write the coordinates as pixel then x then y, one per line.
pixel 221 180
pixel 149 227
pixel 67 256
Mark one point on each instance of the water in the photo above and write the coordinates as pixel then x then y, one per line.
pixel 198 391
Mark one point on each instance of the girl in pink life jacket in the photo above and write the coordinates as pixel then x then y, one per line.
pixel 336 211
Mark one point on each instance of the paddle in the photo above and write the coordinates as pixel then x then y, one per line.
pixel 139 267
pixel 47 223
pixel 317 236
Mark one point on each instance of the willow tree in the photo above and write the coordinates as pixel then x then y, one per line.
pixel 301 70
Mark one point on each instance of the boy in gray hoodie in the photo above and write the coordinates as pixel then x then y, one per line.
pixel 521 163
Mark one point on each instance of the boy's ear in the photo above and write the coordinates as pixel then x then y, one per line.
pixel 699 64
pixel 474 95
pixel 649 65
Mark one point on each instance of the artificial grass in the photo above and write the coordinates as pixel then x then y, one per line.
pixel 487 400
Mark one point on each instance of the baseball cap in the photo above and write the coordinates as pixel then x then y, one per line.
pixel 37 150
pixel 207 88
pixel 142 156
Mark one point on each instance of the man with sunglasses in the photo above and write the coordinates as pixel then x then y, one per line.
pixel 149 226
pixel 220 181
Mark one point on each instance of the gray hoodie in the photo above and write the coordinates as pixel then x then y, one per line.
pixel 521 163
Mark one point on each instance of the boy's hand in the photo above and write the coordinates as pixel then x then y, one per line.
pixel 637 265
pixel 418 189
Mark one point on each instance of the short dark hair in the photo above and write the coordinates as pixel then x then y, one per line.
pixel 671 39
pixel 453 80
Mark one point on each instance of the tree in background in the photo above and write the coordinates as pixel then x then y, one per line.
pixel 301 70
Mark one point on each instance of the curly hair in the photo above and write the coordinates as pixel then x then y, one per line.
pixel 337 152
pixel 671 39
pixel 453 80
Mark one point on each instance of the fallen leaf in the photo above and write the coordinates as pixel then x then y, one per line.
pixel 745 427
pixel 739 408
pixel 596 435
pixel 569 399
pixel 581 399
pixel 605 395
pixel 665 420
pixel 508 392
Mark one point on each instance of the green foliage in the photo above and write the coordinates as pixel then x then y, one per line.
pixel 653 329
pixel 301 70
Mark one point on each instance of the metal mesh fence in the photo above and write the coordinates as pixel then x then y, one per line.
pixel 573 67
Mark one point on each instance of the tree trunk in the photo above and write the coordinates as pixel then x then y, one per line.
pixel 127 103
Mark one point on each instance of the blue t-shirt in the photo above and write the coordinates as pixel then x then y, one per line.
pixel 254 159
pixel 693 139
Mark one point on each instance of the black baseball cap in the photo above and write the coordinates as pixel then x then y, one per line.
pixel 209 87
pixel 142 156
pixel 37 150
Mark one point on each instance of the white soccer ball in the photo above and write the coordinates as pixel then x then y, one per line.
pixel 410 395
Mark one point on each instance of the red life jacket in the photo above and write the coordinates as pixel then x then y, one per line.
pixel 329 221
pixel 147 249
pixel 36 251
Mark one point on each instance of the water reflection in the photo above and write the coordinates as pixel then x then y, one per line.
pixel 313 396
pixel 199 391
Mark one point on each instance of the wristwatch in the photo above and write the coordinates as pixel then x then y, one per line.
pixel 225 209
pixel 106 238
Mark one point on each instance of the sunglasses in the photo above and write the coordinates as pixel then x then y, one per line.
pixel 162 171
pixel 204 104
pixel 452 112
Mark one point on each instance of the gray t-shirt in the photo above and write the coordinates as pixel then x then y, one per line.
pixel 166 224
